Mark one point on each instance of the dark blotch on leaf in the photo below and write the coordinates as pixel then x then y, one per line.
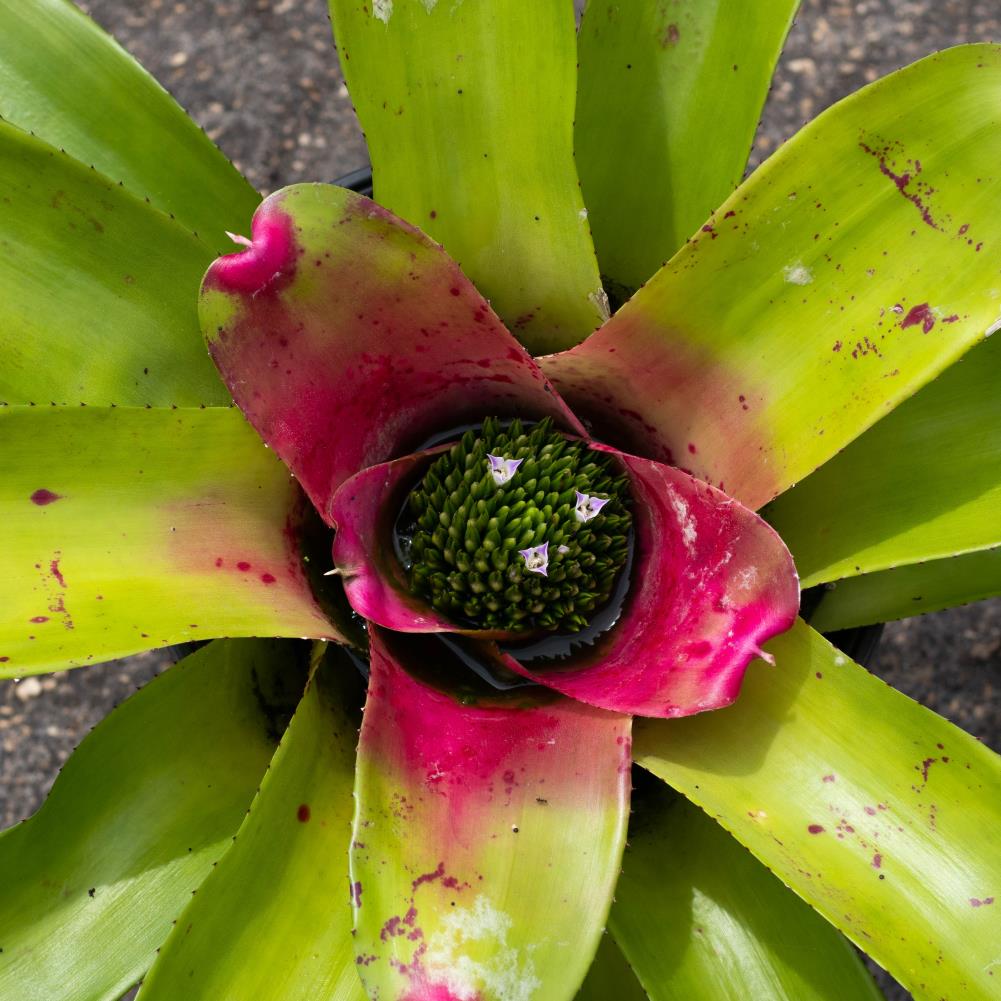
pixel 43 497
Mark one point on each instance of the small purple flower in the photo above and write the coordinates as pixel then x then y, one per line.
pixel 588 507
pixel 502 469
pixel 536 559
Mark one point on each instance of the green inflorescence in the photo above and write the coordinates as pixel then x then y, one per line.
pixel 464 556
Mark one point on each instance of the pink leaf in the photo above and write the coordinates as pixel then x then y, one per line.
pixel 347 337
pixel 710 583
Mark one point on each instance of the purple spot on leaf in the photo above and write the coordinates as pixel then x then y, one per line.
pixel 43 497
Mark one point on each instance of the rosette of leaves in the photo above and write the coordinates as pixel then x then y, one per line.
pixel 795 355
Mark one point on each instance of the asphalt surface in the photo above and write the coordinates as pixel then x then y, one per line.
pixel 262 79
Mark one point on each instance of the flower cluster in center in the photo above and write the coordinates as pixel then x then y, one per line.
pixel 518 529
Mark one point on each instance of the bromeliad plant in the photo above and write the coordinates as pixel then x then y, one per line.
pixel 527 551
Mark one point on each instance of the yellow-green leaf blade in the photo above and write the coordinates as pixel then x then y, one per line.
pixel 135 821
pixel 64 79
pixel 129 529
pixel 880 814
pixel 924 484
pixel 468 112
pixel 100 291
pixel 697 917
pixel 273 921
pixel 909 590
pixel 668 100
pixel 818 297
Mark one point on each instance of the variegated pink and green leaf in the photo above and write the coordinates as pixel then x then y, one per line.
pixel 191 531
pixel 815 299
pixel 488 833
pixel 708 584
pixel 348 337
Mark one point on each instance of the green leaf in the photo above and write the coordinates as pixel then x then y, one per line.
pixel 880 814
pixel 848 271
pixel 699 919
pixel 668 101
pixel 136 820
pixel 610 976
pixel 909 590
pixel 488 831
pixel 468 112
pixel 132 529
pixel 923 484
pixel 64 79
pixel 273 921
pixel 100 291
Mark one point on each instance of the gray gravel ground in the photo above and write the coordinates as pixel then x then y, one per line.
pixel 262 79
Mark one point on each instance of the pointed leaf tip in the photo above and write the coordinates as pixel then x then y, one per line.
pixel 268 260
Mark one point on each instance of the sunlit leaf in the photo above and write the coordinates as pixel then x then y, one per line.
pixel 922 486
pixel 468 112
pixel 880 814
pixel 136 820
pixel 668 101
pixel 273 921
pixel 488 832
pixel 848 271
pixel 64 79
pixel 128 529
